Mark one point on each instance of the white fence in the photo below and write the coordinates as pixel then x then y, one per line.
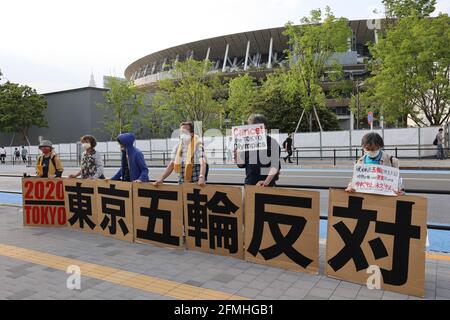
pixel 410 142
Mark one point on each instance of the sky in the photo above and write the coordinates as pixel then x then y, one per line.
pixel 54 45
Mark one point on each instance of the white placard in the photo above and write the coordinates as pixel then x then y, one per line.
pixel 377 179
pixel 249 137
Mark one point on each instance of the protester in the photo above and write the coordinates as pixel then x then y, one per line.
pixel 262 167
pixel 439 141
pixel 287 145
pixel 91 160
pixel 48 164
pixel 188 158
pixel 24 153
pixel 2 155
pixel 133 166
pixel 372 143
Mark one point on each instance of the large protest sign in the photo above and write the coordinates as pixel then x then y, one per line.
pixel 158 214
pixel 115 209
pixel 213 218
pixel 43 202
pixel 250 137
pixel 282 228
pixel 377 240
pixel 81 204
pixel 376 179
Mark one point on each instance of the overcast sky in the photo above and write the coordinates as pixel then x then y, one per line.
pixel 53 45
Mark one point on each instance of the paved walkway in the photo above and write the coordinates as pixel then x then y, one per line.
pixel 33 262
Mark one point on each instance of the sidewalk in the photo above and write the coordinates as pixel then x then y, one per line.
pixel 33 262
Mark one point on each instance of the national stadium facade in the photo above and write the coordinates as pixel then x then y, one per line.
pixel 258 53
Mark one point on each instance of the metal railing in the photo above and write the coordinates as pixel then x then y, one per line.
pixel 220 156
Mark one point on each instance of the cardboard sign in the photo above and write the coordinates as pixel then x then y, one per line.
pixel 377 240
pixel 250 137
pixel 158 214
pixel 43 202
pixel 213 218
pixel 282 228
pixel 81 204
pixel 115 209
pixel 376 179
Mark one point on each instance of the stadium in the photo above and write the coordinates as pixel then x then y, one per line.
pixel 257 53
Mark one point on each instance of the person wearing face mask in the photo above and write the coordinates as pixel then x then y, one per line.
pixel 48 164
pixel 372 143
pixel 133 167
pixel 91 160
pixel 188 158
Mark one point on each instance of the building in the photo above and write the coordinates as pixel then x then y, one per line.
pixel 70 114
pixel 257 53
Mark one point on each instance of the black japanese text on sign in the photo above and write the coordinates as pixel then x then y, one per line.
pixel 81 204
pixel 115 209
pixel 43 202
pixel 282 228
pixel 385 233
pixel 213 217
pixel 158 214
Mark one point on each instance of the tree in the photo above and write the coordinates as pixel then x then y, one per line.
pixel 190 94
pixel 313 44
pixel 243 99
pixel 21 107
pixel 123 101
pixel 404 8
pixel 411 71
pixel 283 112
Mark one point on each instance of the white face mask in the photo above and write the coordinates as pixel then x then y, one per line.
pixel 372 154
pixel 185 137
pixel 86 146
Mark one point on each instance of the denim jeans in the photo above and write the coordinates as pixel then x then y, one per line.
pixel 440 152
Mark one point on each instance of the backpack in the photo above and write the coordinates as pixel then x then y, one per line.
pixel 52 159
pixel 435 142
pixel 17 153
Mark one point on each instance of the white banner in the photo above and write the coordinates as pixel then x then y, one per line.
pixel 377 179
pixel 250 137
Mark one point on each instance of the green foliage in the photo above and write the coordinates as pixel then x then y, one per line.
pixel 283 111
pixel 122 105
pixel 411 71
pixel 243 99
pixel 21 107
pixel 313 44
pixel 405 8
pixel 191 94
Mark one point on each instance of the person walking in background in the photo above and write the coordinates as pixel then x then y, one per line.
pixel 91 160
pixel 2 155
pixel 24 153
pixel 287 145
pixel 439 142
pixel 48 164
pixel 16 155
pixel 133 167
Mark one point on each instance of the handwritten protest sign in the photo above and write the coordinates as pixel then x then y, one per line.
pixel 376 179
pixel 250 137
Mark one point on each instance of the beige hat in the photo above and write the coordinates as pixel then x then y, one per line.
pixel 46 143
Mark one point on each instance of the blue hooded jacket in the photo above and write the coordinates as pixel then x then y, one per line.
pixel 136 163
